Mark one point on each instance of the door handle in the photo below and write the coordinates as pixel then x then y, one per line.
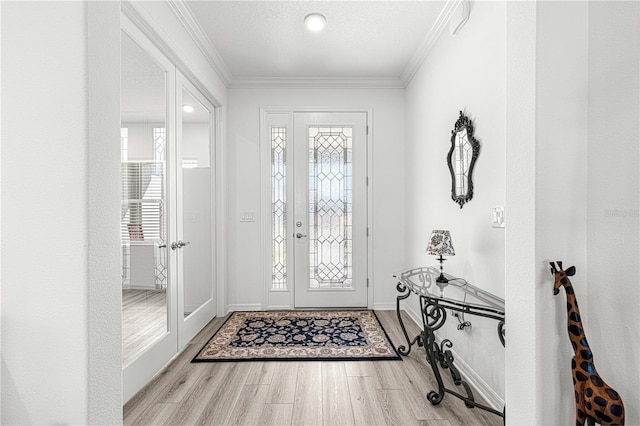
pixel 179 244
pixel 300 235
pixel 162 245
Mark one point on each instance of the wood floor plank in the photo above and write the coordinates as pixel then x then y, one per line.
pixel 155 414
pixel 436 423
pixel 278 415
pixel 396 408
pixel 261 372
pixel 247 410
pixel 208 331
pixel 283 384
pixel 158 386
pixel 364 401
pixel 218 410
pixel 391 375
pixel 144 318
pixel 336 404
pixel 197 407
pixel 307 406
pixel 179 378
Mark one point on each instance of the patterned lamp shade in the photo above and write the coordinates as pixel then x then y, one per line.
pixel 440 243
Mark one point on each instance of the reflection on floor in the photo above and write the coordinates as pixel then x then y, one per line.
pixel 144 318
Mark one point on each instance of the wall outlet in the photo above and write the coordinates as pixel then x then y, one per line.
pixel 247 216
pixel 497 217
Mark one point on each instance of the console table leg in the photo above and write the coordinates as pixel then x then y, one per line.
pixel 433 357
pixel 402 349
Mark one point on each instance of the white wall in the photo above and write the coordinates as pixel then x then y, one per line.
pixel 246 285
pixel 561 173
pixel 45 272
pixel 140 140
pixel 463 72
pixel 613 202
pixel 586 112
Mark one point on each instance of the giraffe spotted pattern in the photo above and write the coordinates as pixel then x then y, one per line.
pixel 596 402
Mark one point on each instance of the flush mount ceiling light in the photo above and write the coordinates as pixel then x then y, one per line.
pixel 188 108
pixel 315 21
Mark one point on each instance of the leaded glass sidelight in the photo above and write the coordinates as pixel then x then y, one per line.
pixel 330 207
pixel 278 207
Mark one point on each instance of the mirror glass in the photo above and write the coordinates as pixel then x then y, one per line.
pixel 461 162
pixel 144 212
pixel 195 147
pixel 461 159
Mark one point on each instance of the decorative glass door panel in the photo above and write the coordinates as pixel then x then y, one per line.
pixel 330 172
pixel 330 205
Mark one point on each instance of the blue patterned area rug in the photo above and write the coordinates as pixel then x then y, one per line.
pixel 299 336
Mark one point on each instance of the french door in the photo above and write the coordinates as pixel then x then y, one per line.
pixel 329 227
pixel 168 209
pixel 195 214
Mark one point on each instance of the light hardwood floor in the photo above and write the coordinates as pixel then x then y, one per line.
pixel 299 393
pixel 144 318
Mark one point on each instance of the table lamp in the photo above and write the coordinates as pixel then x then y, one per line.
pixel 440 245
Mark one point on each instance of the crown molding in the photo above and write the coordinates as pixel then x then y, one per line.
pixel 189 22
pixel 429 41
pixel 315 83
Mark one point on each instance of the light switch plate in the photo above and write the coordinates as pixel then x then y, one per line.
pixel 247 216
pixel 497 217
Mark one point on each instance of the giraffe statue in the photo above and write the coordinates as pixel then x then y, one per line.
pixel 596 402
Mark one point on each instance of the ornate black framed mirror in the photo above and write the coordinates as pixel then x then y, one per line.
pixel 461 159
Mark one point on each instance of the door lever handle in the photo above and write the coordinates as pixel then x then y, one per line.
pixel 179 244
pixel 300 235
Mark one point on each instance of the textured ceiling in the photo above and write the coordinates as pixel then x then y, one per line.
pixel 268 39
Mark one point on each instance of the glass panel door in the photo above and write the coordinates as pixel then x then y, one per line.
pixel 330 157
pixel 195 221
pixel 149 337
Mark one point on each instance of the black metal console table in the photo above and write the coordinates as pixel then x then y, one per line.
pixel 435 300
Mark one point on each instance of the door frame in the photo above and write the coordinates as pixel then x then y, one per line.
pixel 284 299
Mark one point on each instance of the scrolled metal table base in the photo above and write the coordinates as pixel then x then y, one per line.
pixel 439 356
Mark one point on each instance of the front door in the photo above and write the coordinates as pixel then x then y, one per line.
pixel 330 210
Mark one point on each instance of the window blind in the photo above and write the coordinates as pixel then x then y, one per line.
pixel 143 201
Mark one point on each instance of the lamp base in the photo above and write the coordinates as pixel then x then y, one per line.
pixel 442 279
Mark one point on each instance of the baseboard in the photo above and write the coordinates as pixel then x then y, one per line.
pixel 279 308
pixel 244 307
pixel 480 387
pixel 384 306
